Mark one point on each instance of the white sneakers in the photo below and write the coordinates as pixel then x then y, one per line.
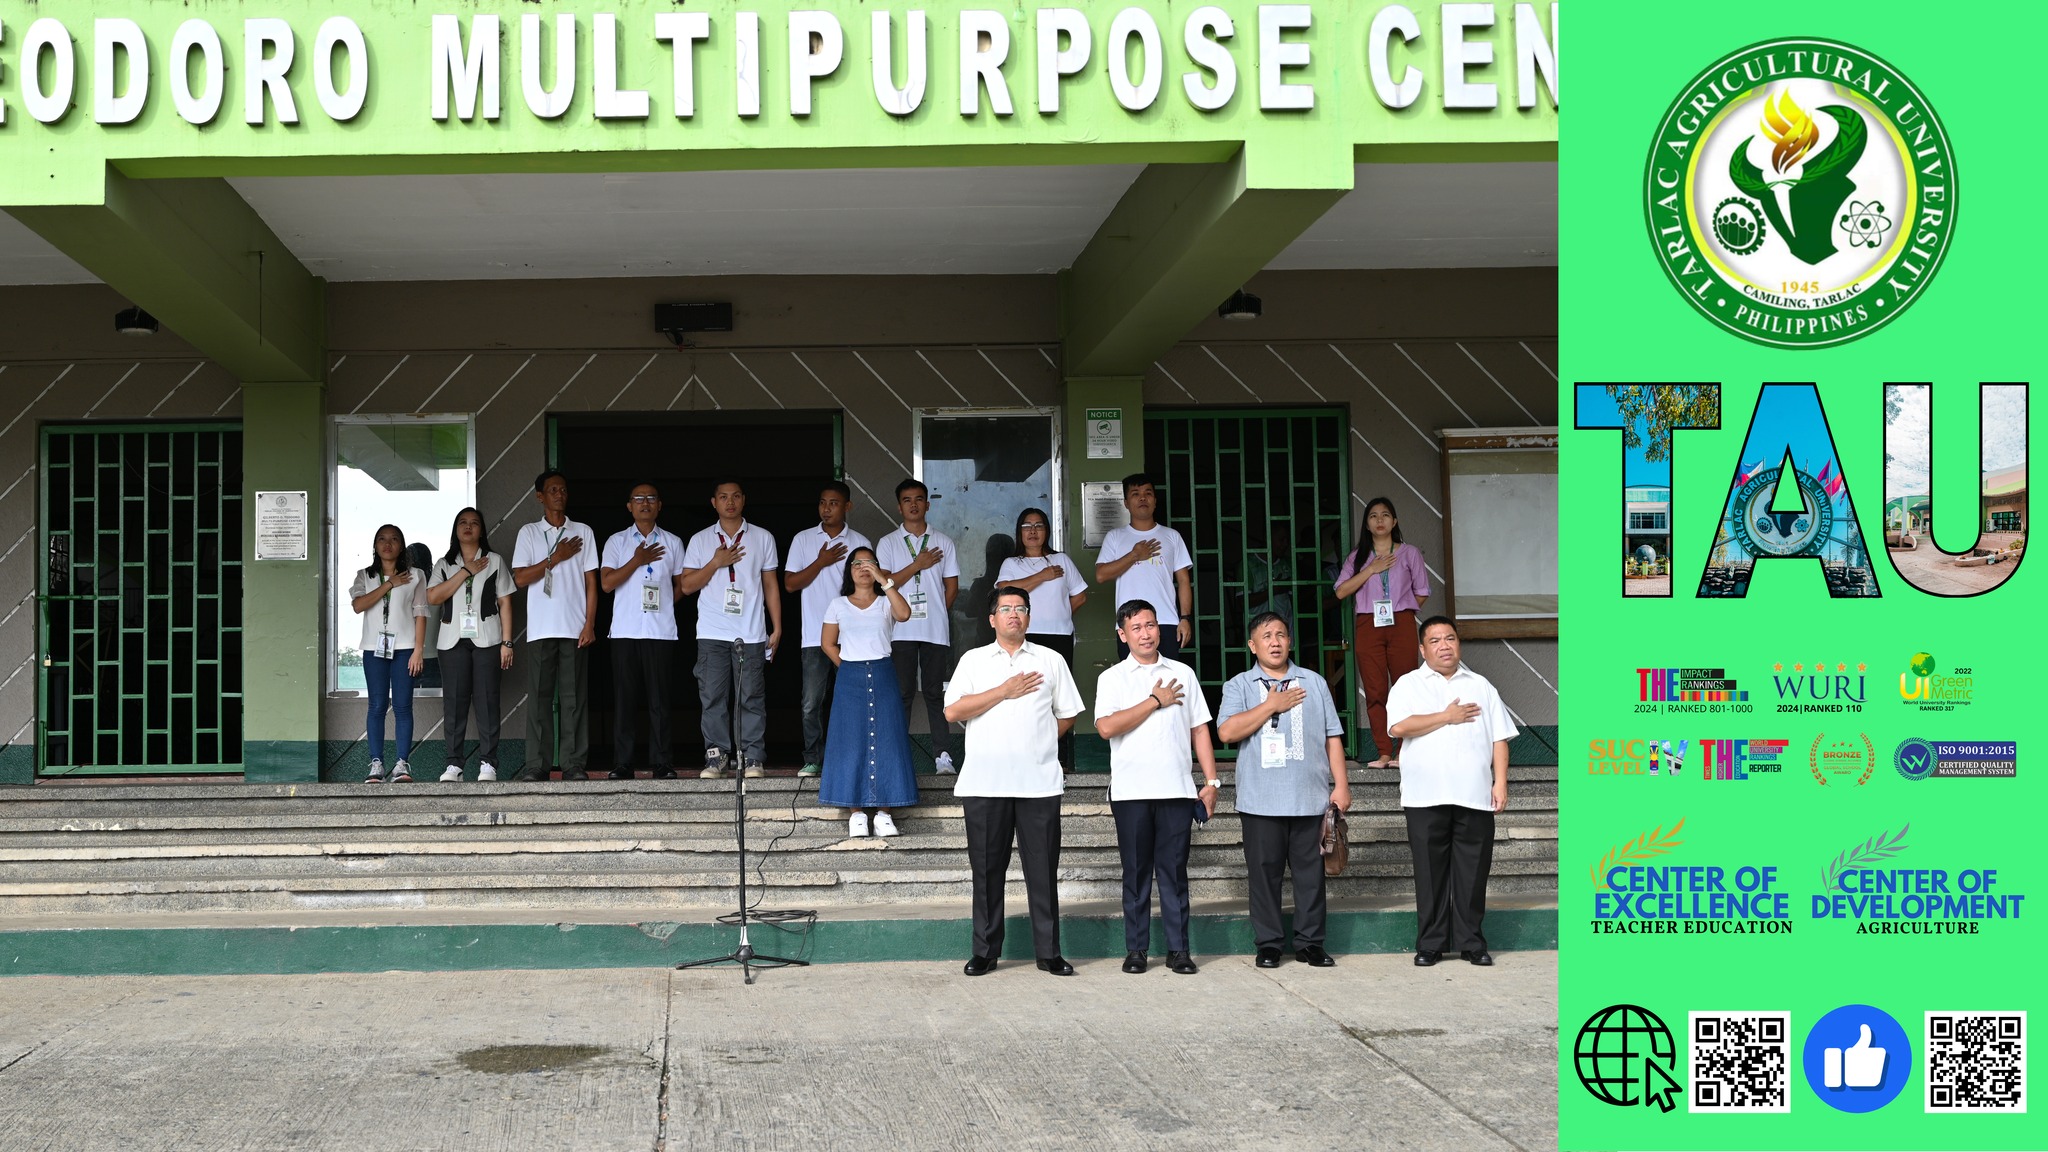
pixel 884 826
pixel 453 775
pixel 486 772
pixel 857 825
pixel 945 763
pixel 376 773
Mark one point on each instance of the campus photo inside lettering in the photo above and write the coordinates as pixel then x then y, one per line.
pixel 301 306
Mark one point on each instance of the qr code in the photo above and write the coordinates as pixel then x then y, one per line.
pixel 1738 1062
pixel 1976 1062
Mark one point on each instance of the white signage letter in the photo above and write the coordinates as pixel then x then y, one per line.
pixel 979 66
pixel 1138 22
pixel 1458 56
pixel 1207 53
pixel 905 100
pixel 266 73
pixel 1275 56
pixel 202 108
pixel 47 103
pixel 545 103
pixel 108 35
pixel 342 32
pixel 1534 54
pixel 681 31
pixel 1377 42
pixel 609 101
pixel 746 65
pixel 806 65
pixel 1053 63
pixel 477 68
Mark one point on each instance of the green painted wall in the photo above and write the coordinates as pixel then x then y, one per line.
pixel 281 599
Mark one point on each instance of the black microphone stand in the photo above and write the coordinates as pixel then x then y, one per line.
pixel 744 955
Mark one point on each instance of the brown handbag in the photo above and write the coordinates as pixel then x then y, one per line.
pixel 1336 841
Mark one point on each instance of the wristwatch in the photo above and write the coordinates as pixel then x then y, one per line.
pixel 887 583
pixel 504 644
pixel 1216 784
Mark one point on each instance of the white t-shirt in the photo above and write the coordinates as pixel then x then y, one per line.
pixel 1454 764
pixel 1052 611
pixel 819 594
pixel 863 632
pixel 1154 760
pixel 926 591
pixel 406 603
pixel 637 612
pixel 490 630
pixel 1013 749
pixel 731 605
pixel 554 603
pixel 1149 580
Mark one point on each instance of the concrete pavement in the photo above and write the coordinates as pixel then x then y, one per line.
pixel 1374 1053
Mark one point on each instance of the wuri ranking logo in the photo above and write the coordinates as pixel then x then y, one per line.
pixel 1800 193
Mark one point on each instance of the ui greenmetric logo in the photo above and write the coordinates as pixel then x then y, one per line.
pixel 1800 193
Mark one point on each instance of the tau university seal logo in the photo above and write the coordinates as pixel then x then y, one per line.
pixel 1800 193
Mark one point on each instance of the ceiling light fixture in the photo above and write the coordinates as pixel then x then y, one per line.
pixel 134 322
pixel 1242 305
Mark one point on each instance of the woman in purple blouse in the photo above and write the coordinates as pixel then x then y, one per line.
pixel 1387 583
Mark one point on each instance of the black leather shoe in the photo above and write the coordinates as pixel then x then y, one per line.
pixel 980 965
pixel 1180 962
pixel 618 774
pixel 1134 963
pixel 575 776
pixel 1057 965
pixel 1482 958
pixel 1269 958
pixel 1424 958
pixel 665 774
pixel 1315 957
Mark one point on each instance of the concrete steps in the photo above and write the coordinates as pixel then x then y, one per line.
pixel 68 849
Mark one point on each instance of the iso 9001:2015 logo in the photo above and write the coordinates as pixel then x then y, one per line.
pixel 1800 193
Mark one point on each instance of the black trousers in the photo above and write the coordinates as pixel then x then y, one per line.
pixel 1453 848
pixel 1152 837
pixel 917 659
pixel 469 676
pixel 1274 843
pixel 643 672
pixel 1034 822
pixel 1064 645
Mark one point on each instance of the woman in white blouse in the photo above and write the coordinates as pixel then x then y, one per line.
pixel 473 588
pixel 386 596
pixel 1054 583
pixel 867 744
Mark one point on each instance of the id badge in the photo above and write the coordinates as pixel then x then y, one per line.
pixel 917 604
pixel 1383 613
pixel 1272 747
pixel 547 583
pixel 384 645
pixel 650 598
pixel 735 599
pixel 468 623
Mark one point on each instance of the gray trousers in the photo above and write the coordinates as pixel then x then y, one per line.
pixel 556 665
pixel 819 672
pixel 718 665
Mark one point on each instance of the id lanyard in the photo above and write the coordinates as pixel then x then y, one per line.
pixel 384 636
pixel 650 593
pixel 916 597
pixel 1273 740
pixel 735 596
pixel 469 621
pixel 547 580
pixel 1383 608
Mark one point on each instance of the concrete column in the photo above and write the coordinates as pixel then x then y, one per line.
pixel 1095 623
pixel 284 449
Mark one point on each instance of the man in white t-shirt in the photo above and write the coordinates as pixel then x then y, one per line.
pixel 822 552
pixel 1454 776
pixel 556 561
pixel 1152 712
pixel 731 568
pixel 1149 562
pixel 924 566
pixel 1016 698
pixel 641 569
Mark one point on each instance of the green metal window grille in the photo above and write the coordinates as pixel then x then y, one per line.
pixel 1260 495
pixel 141 596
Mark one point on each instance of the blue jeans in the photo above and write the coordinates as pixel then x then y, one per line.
pixel 390 683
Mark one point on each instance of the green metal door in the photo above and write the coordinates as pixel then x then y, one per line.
pixel 1260 495
pixel 141 591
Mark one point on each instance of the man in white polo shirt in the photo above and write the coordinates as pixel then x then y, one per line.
pixel 1149 562
pixel 556 561
pixel 822 551
pixel 1454 776
pixel 739 623
pixel 1016 699
pixel 925 568
pixel 1152 712
pixel 642 566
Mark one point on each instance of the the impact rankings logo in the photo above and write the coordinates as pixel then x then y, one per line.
pixel 1778 952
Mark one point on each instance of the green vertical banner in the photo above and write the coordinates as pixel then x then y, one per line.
pixel 1801 840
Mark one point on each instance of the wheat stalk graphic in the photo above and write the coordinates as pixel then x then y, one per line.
pixel 1655 842
pixel 1882 846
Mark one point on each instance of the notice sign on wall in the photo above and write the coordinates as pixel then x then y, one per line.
pixel 280 526
pixel 1105 433
pixel 1102 508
